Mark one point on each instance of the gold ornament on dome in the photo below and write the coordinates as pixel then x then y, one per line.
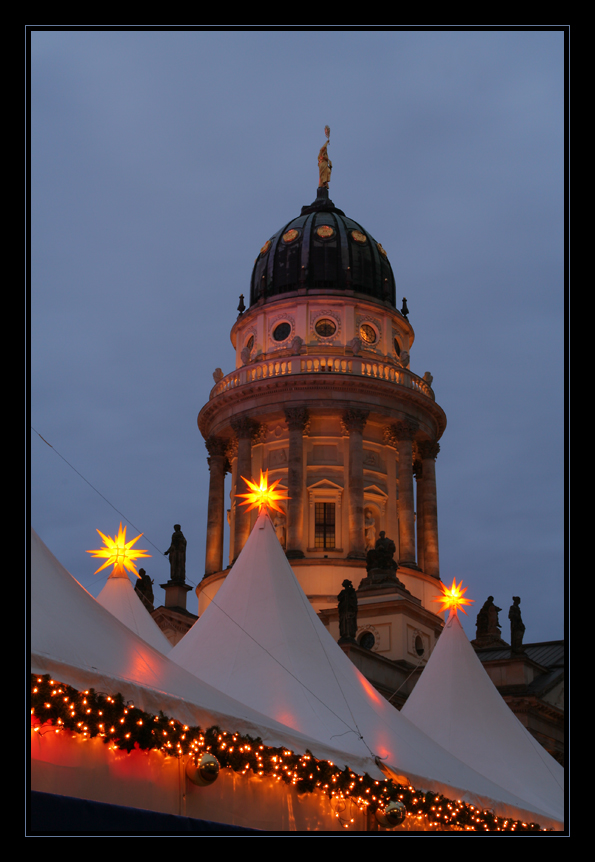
pixel 325 165
pixel 358 236
pixel 290 235
pixel 380 249
pixel 265 247
pixel 325 231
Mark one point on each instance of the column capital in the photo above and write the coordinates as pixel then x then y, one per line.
pixel 428 449
pixel 355 420
pixel 259 433
pixel 216 445
pixel 297 418
pixel 404 429
pixel 389 437
pixel 232 449
pixel 244 427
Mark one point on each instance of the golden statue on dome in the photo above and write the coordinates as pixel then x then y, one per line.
pixel 325 165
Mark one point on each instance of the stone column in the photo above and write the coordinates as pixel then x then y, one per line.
pixel 428 451
pixel 243 428
pixel 354 421
pixel 218 467
pixel 405 431
pixel 419 510
pixel 296 418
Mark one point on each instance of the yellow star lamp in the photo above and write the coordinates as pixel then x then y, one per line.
pixel 262 496
pixel 453 598
pixel 119 553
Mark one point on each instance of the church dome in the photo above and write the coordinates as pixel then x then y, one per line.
pixel 322 250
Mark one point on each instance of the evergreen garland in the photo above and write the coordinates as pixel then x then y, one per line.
pixel 56 706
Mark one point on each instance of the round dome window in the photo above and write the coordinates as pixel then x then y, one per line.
pixel 325 327
pixel 368 333
pixel 367 640
pixel 282 331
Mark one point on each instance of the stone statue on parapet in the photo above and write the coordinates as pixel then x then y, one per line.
pixel 144 589
pixel 382 568
pixel 487 619
pixel 177 556
pixel 381 556
pixel 347 600
pixel 517 627
pixel 488 628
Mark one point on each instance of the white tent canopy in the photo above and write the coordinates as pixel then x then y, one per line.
pixel 78 642
pixel 261 642
pixel 119 597
pixel 456 703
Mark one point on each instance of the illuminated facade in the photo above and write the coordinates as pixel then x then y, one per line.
pixel 322 396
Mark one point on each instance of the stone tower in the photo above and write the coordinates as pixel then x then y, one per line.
pixel 323 398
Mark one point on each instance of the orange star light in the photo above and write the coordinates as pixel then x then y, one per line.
pixel 453 597
pixel 119 553
pixel 262 496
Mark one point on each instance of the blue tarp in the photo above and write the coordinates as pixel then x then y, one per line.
pixel 50 814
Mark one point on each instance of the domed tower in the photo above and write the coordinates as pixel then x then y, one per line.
pixel 323 398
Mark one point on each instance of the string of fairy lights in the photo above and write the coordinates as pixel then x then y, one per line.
pixel 60 708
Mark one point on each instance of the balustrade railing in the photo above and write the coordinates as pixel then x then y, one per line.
pixel 321 364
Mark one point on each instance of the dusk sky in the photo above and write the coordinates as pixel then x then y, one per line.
pixel 161 163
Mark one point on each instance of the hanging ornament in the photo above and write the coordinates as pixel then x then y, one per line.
pixel 393 815
pixel 203 771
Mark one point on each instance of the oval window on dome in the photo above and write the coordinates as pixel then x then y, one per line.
pixel 380 249
pixel 367 640
pixel 325 327
pixel 358 236
pixel 368 333
pixel 325 231
pixel 282 331
pixel 397 346
pixel 250 343
pixel 265 247
pixel 291 235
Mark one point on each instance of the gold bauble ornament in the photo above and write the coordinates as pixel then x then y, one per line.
pixel 204 770
pixel 392 816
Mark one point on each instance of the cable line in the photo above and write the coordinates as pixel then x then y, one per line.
pixel 95 489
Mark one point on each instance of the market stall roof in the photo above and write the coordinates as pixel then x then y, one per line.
pixel 261 642
pixel 119 597
pixel 457 704
pixel 80 643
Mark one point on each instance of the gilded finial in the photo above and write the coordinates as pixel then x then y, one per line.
pixel 325 165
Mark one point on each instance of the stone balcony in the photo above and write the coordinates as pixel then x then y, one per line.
pixel 322 363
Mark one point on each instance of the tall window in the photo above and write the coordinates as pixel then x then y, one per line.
pixel 324 525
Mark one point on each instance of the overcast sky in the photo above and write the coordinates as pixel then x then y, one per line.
pixel 161 163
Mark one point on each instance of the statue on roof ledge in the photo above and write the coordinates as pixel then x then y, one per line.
pixel 517 627
pixel 177 556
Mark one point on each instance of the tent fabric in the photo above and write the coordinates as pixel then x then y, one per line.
pixel 119 597
pixel 456 704
pixel 80 643
pixel 261 642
